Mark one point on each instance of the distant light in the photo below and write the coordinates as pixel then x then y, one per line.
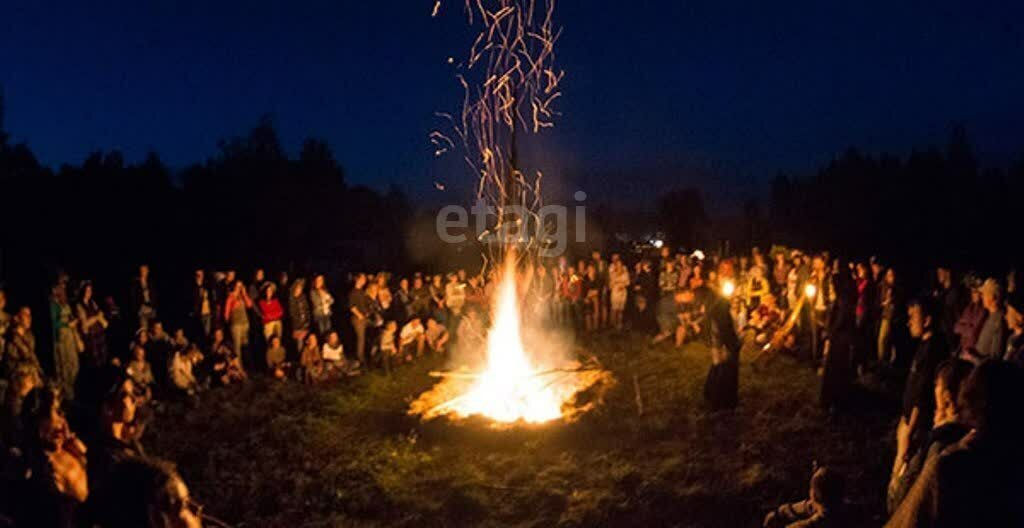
pixel 810 291
pixel 728 288
pixel 698 254
pixel 657 243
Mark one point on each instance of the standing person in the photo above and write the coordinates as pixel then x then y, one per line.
pixel 202 305
pixel 604 292
pixel 618 281
pixel 322 301
pixel 755 287
pixel 385 298
pixel 887 309
pixel 819 276
pixel 1015 325
pixel 918 394
pixel 403 301
pixel 840 369
pixel 780 274
pixel 542 290
pixel 971 318
pixel 21 345
pixel 867 291
pixel 454 297
pixel 259 281
pixel 668 279
pixel 721 389
pixel 236 315
pixel 359 305
pixel 225 286
pixel 66 342
pixel 299 316
pixel 437 300
pixel 991 339
pixel 271 312
pixel 144 298
pixel 93 324
pixel 592 299
pixel 420 306
pixel 948 298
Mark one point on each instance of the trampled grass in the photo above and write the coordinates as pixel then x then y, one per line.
pixel 282 454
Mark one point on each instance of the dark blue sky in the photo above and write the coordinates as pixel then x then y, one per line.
pixel 657 92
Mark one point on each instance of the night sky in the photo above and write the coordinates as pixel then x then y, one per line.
pixel 657 93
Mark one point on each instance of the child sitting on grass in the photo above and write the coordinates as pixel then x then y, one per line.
pixel 276 355
pixel 824 507
pixel 141 373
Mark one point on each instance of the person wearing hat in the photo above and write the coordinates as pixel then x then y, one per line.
pixel 1015 324
pixel 991 337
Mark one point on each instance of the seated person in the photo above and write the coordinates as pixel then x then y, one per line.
pixel 333 355
pixel 436 336
pixel 766 318
pixel 824 507
pixel 141 373
pixel 226 365
pixel 181 370
pixel 311 363
pixel 387 348
pixel 276 355
pixel 24 379
pixel 676 317
pixel 411 339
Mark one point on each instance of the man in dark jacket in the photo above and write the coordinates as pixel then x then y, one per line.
pixel 931 351
pixel 144 298
pixel 204 306
pixel 721 390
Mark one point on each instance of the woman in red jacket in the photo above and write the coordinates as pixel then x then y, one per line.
pixel 271 312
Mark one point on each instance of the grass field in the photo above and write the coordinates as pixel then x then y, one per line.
pixel 281 454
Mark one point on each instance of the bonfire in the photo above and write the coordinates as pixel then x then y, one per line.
pixel 514 385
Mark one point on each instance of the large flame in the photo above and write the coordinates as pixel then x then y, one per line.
pixel 510 388
pixel 513 386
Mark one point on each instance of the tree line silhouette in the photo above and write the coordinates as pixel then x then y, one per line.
pixel 935 206
pixel 252 204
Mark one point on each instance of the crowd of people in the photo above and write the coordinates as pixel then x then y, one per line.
pixel 954 349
